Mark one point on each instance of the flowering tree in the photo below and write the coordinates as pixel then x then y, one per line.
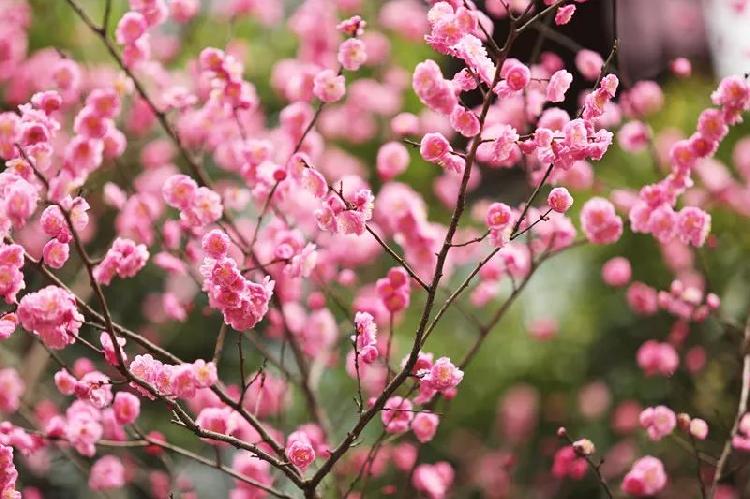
pixel 245 218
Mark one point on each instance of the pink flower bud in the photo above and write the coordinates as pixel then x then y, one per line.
pixel 559 199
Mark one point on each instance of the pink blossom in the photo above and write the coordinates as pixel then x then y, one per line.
pixel 8 323
pixel 658 421
pixel 299 450
pixel 434 147
pixel 328 86
pixel 567 463
pixel 9 475
pixel 589 64
pixel 397 414
pixel 11 277
pixel 616 272
pixel 693 225
pixel 352 54
pixel 130 28
pixel 634 136
pixel 464 121
pixel 354 26
pixel 432 89
pixel 733 95
pixel 599 221
pixel 83 428
pixel 645 478
pixel 516 74
pixel 107 473
pixel 51 314
pixel 657 358
pixel 184 10
pixel 126 407
pixel 543 329
pixel 251 466
pixel 564 14
pixel 424 425
pixel 179 191
pixel 11 389
pixel 559 199
pixel 642 298
pixel 741 439
pixel 558 85
pixel 504 143
pixel 662 223
pixel 125 259
pixel 55 253
pixel 681 67
pixel 698 429
pixel 433 480
pixel 443 375
pixel 499 216
pixel 366 337
pixel 216 244
pixel 392 160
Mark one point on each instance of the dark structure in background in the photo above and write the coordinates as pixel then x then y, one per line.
pixel 650 34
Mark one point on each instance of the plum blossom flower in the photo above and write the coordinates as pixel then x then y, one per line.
pixel 645 478
pixel 559 199
pixel 397 414
pixel 443 375
pixel 658 421
pixel 107 473
pixel 299 450
pixel 51 314
pixel 558 85
pixel 125 259
pixel 599 221
pixel 433 480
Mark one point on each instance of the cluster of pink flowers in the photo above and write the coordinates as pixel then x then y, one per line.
pixel 11 277
pixel 51 314
pixel 657 358
pixel 199 206
pixel 435 148
pixel 228 88
pixel 394 289
pixel 654 213
pixel 569 464
pixel 18 194
pixel 658 421
pixel 688 302
pixel 320 223
pixel 441 376
pixel 600 222
pixel 346 213
pixel 182 380
pixel 365 338
pixel 133 26
pixel 8 475
pixel 125 259
pixel 242 301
